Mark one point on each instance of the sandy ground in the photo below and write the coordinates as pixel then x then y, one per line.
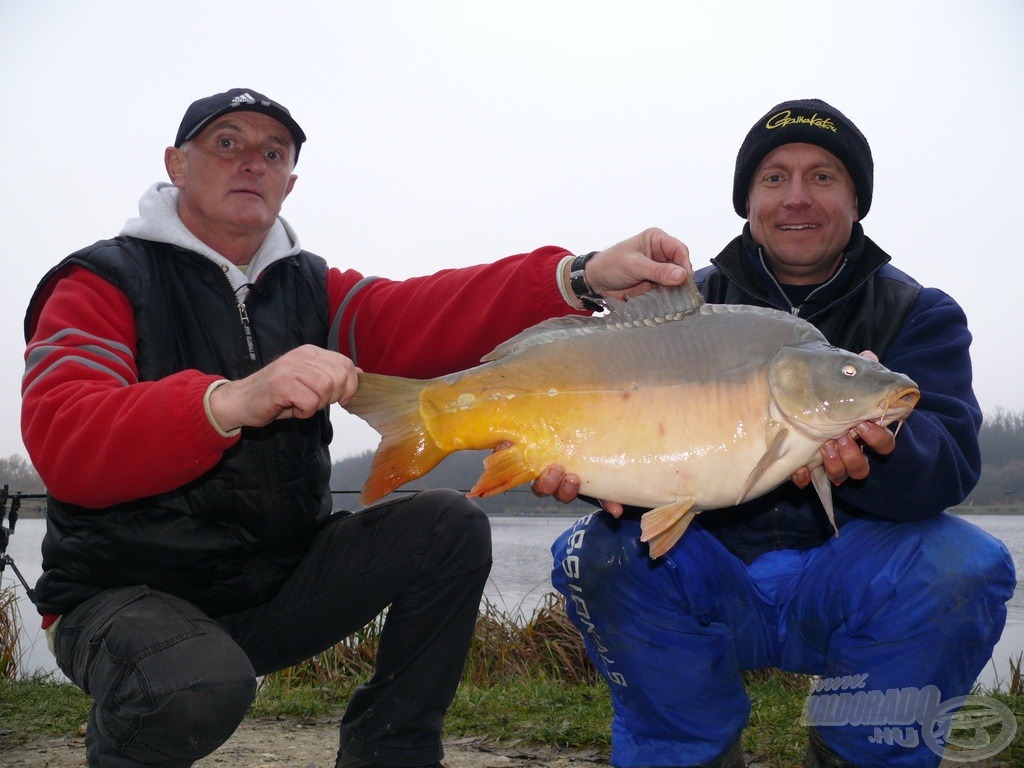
pixel 293 744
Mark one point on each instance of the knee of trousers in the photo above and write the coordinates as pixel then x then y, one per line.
pixel 461 537
pixel 958 568
pixel 172 698
pixel 942 580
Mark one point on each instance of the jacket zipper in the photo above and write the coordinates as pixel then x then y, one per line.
pixel 243 314
pixel 793 310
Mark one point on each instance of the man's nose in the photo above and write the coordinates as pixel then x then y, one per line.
pixel 797 194
pixel 253 161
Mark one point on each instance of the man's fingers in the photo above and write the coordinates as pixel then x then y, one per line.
pixel 548 481
pixel 568 488
pixel 633 266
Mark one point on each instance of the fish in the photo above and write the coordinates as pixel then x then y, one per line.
pixel 662 401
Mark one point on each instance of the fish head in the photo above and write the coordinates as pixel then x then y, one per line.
pixel 823 390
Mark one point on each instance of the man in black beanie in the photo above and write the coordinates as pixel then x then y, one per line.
pixel 899 613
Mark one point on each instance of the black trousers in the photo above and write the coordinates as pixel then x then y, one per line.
pixel 170 684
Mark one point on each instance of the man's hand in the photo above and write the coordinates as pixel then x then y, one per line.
pixel 296 385
pixel 636 265
pixel 844 458
pixel 554 481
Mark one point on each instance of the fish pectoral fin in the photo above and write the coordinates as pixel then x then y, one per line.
pixel 775 451
pixel 824 488
pixel 503 470
pixel 662 527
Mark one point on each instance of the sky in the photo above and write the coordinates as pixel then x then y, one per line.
pixel 444 133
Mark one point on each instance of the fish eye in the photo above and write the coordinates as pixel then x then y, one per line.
pixel 849 369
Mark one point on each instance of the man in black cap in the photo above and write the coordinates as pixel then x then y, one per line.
pixel 898 613
pixel 175 402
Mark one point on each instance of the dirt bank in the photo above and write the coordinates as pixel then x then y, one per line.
pixel 295 744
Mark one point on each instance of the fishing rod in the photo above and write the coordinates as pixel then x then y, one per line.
pixel 11 517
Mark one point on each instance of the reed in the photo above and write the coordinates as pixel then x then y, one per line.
pixel 9 631
pixel 1015 685
pixel 547 645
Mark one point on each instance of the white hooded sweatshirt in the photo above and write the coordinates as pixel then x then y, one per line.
pixel 159 221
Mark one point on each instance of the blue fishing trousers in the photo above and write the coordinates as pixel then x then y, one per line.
pixel 908 610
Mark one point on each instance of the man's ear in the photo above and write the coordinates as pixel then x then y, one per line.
pixel 176 163
pixel 291 185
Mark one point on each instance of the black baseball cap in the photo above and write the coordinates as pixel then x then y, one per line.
pixel 200 113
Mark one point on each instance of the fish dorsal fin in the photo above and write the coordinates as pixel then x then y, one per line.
pixel 661 304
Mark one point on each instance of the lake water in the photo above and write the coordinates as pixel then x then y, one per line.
pixel 520 579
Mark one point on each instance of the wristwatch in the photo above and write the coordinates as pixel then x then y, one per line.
pixel 580 287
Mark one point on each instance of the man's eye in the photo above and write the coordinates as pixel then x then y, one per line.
pixel 225 143
pixel 272 154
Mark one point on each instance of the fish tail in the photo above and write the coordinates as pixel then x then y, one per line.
pixel 407 450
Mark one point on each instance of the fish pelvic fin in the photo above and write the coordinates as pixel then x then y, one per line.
pixel 662 527
pixel 824 488
pixel 776 450
pixel 407 450
pixel 503 470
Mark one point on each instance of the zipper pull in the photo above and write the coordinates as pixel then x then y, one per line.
pixel 244 316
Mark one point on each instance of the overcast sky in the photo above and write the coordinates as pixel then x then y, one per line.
pixel 450 133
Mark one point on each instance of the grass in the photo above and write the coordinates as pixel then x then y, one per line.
pixel 525 683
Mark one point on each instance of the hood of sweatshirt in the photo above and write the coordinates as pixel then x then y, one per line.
pixel 158 221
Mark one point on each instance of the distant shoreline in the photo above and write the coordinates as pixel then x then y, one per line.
pixel 988 509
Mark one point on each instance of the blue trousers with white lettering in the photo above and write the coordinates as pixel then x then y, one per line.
pixel 903 606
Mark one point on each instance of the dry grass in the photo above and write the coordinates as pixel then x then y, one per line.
pixel 1015 685
pixel 546 644
pixel 9 631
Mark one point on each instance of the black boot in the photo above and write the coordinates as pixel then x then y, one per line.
pixel 820 755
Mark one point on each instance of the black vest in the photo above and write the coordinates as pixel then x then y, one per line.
pixel 865 309
pixel 228 539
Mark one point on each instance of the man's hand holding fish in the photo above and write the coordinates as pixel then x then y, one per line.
pixel 636 265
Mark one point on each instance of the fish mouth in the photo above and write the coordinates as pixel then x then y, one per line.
pixel 898 405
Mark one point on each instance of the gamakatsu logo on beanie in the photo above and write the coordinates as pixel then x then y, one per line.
pixel 784 118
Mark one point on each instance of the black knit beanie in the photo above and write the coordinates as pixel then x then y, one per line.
pixel 805 121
